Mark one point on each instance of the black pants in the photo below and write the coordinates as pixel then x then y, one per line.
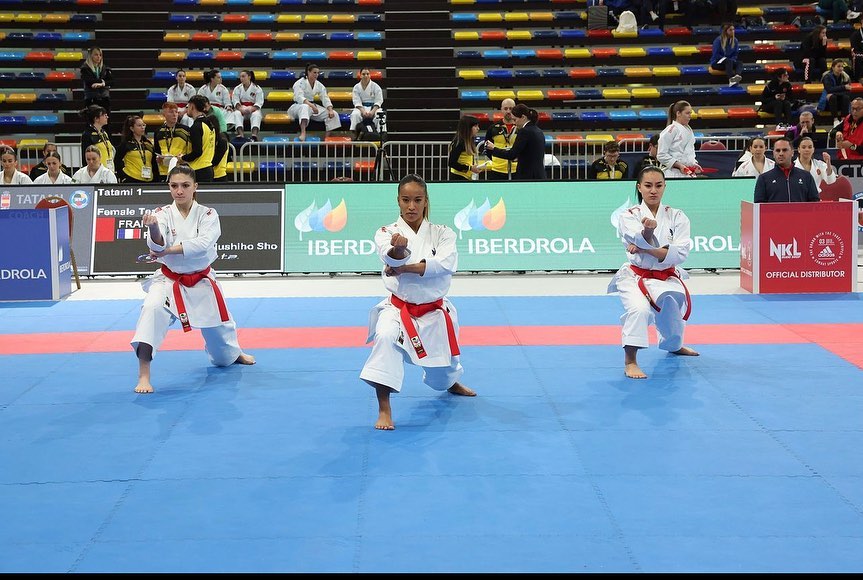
pixel 781 108
pixel 496 176
pixel 204 174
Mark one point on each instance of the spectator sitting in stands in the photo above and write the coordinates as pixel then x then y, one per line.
pixel 776 99
pixel 94 171
pixel 726 53
pixel 248 99
pixel 171 139
pixel 646 11
pixel 367 98
pixel 813 54
pixel 837 86
pixel 11 175
pixel 857 51
pixel 676 147
pixel 304 108
pixel 822 171
pixel 650 159
pixel 849 140
pixel 97 80
pixel 806 128
pixel 217 94
pixel 462 160
pixel 837 10
pixel 180 93
pixel 502 134
pixel 757 163
pixel 53 176
pixel 136 156
pixel 40 168
pixel 609 166
pixel 96 118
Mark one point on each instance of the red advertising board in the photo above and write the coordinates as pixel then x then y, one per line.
pixel 801 247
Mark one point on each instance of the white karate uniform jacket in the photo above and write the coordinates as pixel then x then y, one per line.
pixel 219 97
pixel 198 233
pixel 676 143
pixel 436 244
pixel 748 169
pixel 19 178
pixel 819 172
pixel 45 179
pixel 102 175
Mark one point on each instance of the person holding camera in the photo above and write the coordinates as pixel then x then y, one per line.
pixel 367 97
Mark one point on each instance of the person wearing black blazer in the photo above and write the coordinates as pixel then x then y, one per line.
pixel 529 146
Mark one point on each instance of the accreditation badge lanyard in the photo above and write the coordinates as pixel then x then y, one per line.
pixel 109 149
pixel 146 170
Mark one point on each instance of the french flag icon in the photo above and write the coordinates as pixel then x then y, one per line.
pixel 129 234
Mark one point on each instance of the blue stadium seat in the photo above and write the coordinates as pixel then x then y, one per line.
pixel 564 116
pixel 314 36
pixel 495 53
pixel 309 139
pixel 286 55
pixel 7 76
pixel 705 30
pixel 30 76
pixel 43 120
pixel 13 55
pixel 701 91
pixel 369 36
pixel 19 36
pixel 569 16
pixel 609 71
pixel 733 91
pixel 651 32
pixel 256 55
pixel 199 55
pixel 208 19
pixel 544 34
pixel 185 2
pixel 471 95
pixel 345 118
pixel 659 51
pixel 593 116
pixel 48 36
pixel 230 77
pixel 51 97
pixel 523 53
pixel 181 19
pixel 164 76
pixel 470 54
pixel 339 166
pixel 588 94
pixel 754 68
pixel 283 75
pixel 6 120
pixel 272 168
pixel 276 139
pixel 464 17
pixel 653 114
pixel 499 73
pixel 83 19
pixel 157 96
pixel 674 92
pixel 554 73
pixel 313 55
pixel 774 11
pixel 575 34
pixel 238 2
pixel 341 75
pixel 623 115
pixel 694 69
pixel 76 36
pixel 341 36
pixel 262 18
pixel 526 73
pixel 369 18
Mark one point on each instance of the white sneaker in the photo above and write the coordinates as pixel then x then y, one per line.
pixel 734 80
pixel 837 122
pixel 654 16
pixel 852 15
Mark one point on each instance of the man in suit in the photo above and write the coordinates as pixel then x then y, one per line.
pixel 529 146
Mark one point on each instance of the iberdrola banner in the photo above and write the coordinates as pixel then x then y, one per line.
pixel 509 226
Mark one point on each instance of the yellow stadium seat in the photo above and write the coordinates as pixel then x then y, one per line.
pixel 278 119
pixel 29 18
pixel 466 35
pixel 2 98
pixel 489 17
pixel 598 137
pixel 33 143
pixel 240 166
pixel 462 1
pixel 280 96
pixel 666 71
pixel 813 88
pixel 615 94
pixel 576 53
pixel 67 56
pixel 370 55
pixel 232 36
pixel 6 17
pixel 471 74
pixel 645 93
pixel 176 37
pixel 56 18
pixel 526 95
pixel 340 95
pixel 519 35
pixel 750 11
pixel 316 19
pixel 154 119
pixel 632 51
pixel 755 90
pixel 624 34
pixel 211 2
pixel 289 19
pixel 343 18
pixel 711 113
pixel 194 76
pixel 684 50
pixel 261 75
pixel 265 2
pixel 22 98
pixel 541 16
pixel 171 55
pixel 500 95
pixel 287 37
pixel 637 71
pixel 516 17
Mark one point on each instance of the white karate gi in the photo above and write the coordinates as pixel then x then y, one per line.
pixel 366 97
pixel 748 169
pixel 672 229
pixel 18 178
pixel 198 233
pixel 181 98
pixel 254 95
pixel 436 244
pixel 303 91
pixel 102 175
pixel 219 97
pixel 44 179
pixel 676 143
pixel 819 173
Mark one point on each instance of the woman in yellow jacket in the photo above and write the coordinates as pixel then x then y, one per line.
pixel 136 155
pixel 463 163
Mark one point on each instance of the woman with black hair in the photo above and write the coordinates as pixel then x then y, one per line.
pixel 463 162
pixel 96 118
pixel 529 146
pixel 136 155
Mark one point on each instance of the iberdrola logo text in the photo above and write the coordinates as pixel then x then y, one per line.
pixel 486 217
pixel 329 219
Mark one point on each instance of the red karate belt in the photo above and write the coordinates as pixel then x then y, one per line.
pixel 642 273
pixel 416 310
pixel 189 280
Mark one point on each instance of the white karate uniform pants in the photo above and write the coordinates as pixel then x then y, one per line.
pixel 255 118
pixel 300 112
pixel 639 314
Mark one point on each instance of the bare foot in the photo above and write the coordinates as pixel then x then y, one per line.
pixel 302 137
pixel 633 371
pixel 460 389
pixel 144 387
pixel 385 421
pixel 245 359
pixel 686 351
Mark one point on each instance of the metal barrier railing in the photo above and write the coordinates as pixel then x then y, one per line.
pixel 303 162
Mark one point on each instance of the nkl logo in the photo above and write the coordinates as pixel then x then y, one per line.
pixel 784 251
pixel 479 218
pixel 318 219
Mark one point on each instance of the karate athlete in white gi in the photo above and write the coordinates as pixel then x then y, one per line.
pixel 676 147
pixel 651 283
pixel 417 324
pixel 182 237
pixel 304 107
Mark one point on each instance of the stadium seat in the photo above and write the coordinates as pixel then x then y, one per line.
pixel 645 93
pixel 501 74
pixel 653 114
pixel 499 95
pixel 623 115
pixel 43 120
pixel 593 116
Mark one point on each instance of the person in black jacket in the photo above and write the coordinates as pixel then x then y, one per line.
pixel 97 80
pixel 776 99
pixel 785 182
pixel 529 146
